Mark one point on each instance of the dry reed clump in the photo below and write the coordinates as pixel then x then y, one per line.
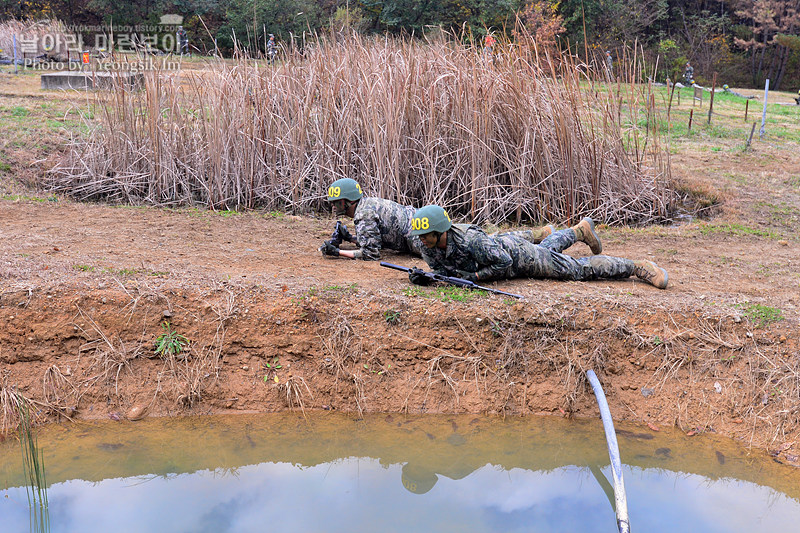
pixel 293 390
pixel 109 357
pixel 529 137
pixel 47 36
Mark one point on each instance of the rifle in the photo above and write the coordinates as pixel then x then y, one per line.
pixel 340 234
pixel 458 282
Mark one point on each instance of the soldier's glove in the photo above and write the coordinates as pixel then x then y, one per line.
pixel 469 276
pixel 328 248
pixel 418 277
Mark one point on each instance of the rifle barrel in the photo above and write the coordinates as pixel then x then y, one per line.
pixel 396 267
pixel 458 282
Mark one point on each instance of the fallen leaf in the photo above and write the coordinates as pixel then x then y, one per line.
pixel 653 426
pixel 692 433
pixel 738 421
pixel 277 379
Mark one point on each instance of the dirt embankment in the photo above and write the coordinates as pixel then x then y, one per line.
pixel 85 291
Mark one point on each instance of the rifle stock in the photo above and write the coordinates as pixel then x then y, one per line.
pixel 451 280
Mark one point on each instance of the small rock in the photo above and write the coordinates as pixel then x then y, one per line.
pixel 783 243
pixel 782 338
pixel 166 313
pixel 647 392
pixel 103 300
pixel 717 387
pixel 136 412
pixel 245 367
pixel 114 416
pixel 479 320
pixel 737 319
pixel 749 334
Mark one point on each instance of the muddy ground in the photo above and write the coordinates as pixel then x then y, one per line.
pixel 86 290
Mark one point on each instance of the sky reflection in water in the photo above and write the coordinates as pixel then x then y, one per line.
pixel 360 495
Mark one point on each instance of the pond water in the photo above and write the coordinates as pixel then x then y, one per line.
pixel 331 472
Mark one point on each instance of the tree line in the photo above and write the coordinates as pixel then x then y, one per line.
pixel 743 41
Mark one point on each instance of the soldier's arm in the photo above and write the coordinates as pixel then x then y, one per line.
pixel 368 236
pixel 436 266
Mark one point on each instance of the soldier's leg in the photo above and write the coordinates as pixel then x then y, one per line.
pixel 559 240
pixel 535 235
pixel 553 265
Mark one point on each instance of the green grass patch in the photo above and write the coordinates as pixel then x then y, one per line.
pixel 444 294
pixel 26 198
pixel 736 229
pixel 83 268
pixel 762 315
pixel 353 287
pixel 134 272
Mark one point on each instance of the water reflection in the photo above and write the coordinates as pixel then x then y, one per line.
pixel 391 474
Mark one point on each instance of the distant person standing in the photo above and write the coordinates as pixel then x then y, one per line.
pixel 609 66
pixel 183 41
pixel 272 50
pixel 688 74
pixel 488 48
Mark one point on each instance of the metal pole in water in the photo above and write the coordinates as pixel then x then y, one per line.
pixel 613 453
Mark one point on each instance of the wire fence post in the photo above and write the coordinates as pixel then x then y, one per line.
pixel 711 105
pixel 762 131
pixel 15 53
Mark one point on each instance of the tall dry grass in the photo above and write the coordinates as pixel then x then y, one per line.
pixel 529 136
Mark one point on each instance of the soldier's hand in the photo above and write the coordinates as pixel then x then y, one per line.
pixel 328 248
pixel 418 277
pixel 469 276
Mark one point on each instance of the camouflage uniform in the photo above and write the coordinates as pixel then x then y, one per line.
pixel 382 223
pixel 506 256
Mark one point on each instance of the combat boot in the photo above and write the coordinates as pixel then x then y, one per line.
pixel 651 273
pixel 584 232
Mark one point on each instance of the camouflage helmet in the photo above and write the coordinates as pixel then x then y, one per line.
pixel 430 218
pixel 344 189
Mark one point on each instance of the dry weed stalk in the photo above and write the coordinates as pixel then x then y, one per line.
pixel 60 394
pixel 108 357
pixel 531 137
pixel 341 345
pixel 293 388
pixel 14 405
